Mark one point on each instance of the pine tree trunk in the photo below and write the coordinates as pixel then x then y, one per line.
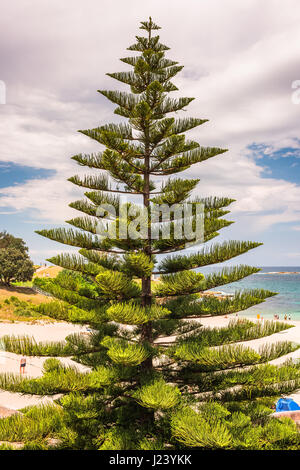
pixel 147 334
pixel 146 282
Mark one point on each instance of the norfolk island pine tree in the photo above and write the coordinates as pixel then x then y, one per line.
pixel 157 379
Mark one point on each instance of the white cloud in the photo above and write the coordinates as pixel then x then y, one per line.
pixel 47 199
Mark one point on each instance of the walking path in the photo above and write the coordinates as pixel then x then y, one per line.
pixel 10 362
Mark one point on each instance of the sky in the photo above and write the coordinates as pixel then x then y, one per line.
pixel 241 63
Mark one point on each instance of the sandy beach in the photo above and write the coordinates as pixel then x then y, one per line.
pixel 10 362
pixel 291 334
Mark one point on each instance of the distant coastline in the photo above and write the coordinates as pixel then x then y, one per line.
pixel 285 280
pixel 280 272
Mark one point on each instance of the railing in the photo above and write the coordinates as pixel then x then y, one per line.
pixel 41 291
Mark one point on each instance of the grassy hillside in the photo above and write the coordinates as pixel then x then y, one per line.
pixel 47 271
pixel 16 303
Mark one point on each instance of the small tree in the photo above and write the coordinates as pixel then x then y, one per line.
pixel 15 264
pixel 157 378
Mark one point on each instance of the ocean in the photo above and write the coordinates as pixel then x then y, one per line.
pixel 287 285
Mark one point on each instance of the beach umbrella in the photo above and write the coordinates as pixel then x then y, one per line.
pixel 286 404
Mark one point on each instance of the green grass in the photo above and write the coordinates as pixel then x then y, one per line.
pixel 22 284
pixel 22 308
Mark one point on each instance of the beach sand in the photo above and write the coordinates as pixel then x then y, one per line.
pixel 291 334
pixel 10 362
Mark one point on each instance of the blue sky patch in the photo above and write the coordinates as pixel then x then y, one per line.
pixel 279 164
pixel 12 174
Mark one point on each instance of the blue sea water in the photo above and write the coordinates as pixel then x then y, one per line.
pixel 287 285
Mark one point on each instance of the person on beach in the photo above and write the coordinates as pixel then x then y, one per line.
pixel 22 365
pixel 285 316
pixel 290 317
